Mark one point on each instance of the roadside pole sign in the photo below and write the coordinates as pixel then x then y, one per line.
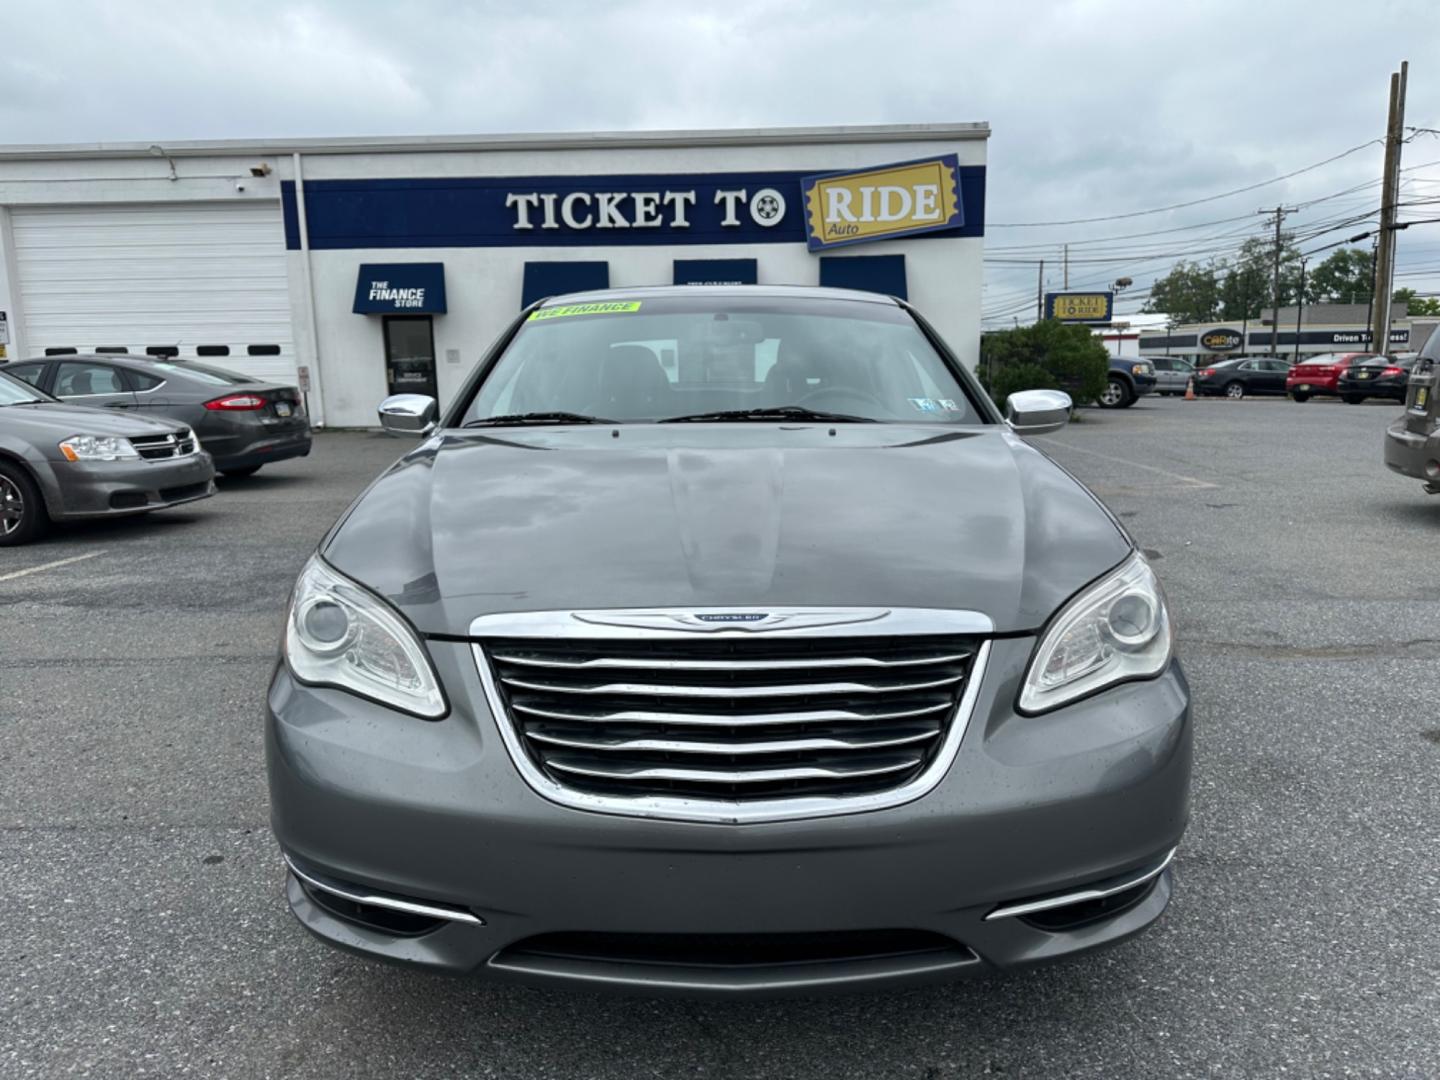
pixel 1092 308
pixel 302 376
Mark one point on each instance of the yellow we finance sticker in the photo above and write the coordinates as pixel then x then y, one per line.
pixel 618 307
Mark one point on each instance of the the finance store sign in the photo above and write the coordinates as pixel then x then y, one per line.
pixel 935 195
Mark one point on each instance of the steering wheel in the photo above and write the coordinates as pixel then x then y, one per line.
pixel 853 393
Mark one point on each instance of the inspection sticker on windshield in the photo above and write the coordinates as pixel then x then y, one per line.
pixel 925 404
pixel 618 307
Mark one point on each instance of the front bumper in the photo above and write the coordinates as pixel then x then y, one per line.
pixel 436 811
pixel 95 489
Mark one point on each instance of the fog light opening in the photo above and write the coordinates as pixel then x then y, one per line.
pixel 370 917
pixel 1087 912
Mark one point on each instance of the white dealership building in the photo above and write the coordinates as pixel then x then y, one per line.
pixel 360 266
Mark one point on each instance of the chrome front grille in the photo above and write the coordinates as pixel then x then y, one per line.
pixel 732 723
pixel 160 447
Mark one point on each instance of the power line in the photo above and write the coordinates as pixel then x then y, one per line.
pixel 1184 205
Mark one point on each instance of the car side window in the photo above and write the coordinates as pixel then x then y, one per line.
pixel 1248 365
pixel 29 372
pixel 144 381
pixel 77 379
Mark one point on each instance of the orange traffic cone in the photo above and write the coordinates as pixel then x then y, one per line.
pixel 1190 390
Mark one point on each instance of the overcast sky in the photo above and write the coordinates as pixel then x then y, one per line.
pixel 1098 107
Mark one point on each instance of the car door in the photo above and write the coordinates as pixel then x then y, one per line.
pixel 1250 376
pixel 91 382
pixel 1274 374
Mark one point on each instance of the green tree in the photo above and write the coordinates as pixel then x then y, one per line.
pixel 1418 305
pixel 1247 283
pixel 1189 293
pixel 1345 277
pixel 1048 355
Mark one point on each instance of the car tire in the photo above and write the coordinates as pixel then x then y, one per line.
pixel 241 472
pixel 1235 390
pixel 22 510
pixel 1116 395
pixel 1301 397
pixel 1352 399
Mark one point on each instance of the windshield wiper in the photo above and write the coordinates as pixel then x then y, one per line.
pixel 537 418
pixel 25 401
pixel 773 412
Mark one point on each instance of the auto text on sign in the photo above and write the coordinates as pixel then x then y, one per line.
pixel 876 204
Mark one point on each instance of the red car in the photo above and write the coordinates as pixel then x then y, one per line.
pixel 1321 374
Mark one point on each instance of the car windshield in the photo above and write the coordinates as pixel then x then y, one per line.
pixel 748 358
pixel 15 391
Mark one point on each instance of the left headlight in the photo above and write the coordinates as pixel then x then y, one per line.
pixel 340 634
pixel 98 448
pixel 1116 630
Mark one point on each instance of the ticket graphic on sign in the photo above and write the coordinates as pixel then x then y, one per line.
pixel 877 204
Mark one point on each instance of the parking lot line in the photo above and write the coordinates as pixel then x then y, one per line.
pixel 49 565
pixel 1189 481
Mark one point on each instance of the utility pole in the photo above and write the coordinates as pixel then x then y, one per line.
pixel 1370 298
pixel 1299 309
pixel 1040 293
pixel 1389 196
pixel 1067 265
pixel 1279 213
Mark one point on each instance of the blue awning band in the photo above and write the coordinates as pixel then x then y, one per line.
pixel 544 279
pixel 871 273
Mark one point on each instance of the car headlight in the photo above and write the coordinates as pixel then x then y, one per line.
pixel 1140 369
pixel 340 634
pixel 98 448
pixel 1114 631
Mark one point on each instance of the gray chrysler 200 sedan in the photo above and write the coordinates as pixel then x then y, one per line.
pixel 727 641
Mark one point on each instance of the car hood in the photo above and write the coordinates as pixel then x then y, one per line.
pixel 82 420
pixel 505 520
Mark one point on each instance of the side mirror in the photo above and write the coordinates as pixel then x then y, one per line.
pixel 408 415
pixel 1038 412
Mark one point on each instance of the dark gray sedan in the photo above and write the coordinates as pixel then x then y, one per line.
pixel 727 641
pixel 243 423
pixel 63 462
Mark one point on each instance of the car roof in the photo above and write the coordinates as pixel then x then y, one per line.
pixel 106 357
pixel 655 292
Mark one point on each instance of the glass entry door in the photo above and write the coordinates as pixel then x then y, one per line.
pixel 410 355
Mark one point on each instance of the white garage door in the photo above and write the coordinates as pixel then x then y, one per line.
pixel 206 280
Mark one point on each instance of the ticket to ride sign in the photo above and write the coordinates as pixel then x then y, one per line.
pixel 880 203
pixel 1080 307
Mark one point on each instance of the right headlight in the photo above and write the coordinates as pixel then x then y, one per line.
pixel 340 634
pixel 98 448
pixel 1114 631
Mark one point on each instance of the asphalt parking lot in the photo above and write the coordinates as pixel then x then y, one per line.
pixel 145 932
